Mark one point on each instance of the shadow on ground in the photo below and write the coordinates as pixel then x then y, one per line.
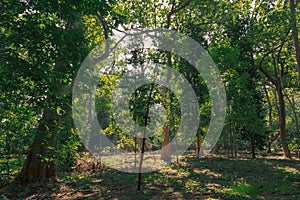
pixel 216 177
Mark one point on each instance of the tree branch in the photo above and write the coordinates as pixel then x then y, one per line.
pixel 105 31
pixel 175 10
pixel 267 75
pixel 263 70
pixel 279 52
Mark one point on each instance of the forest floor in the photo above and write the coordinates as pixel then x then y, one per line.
pixel 214 177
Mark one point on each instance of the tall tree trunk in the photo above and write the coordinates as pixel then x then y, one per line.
pixel 165 153
pixel 282 121
pixel 35 169
pixel 277 82
pixel 144 139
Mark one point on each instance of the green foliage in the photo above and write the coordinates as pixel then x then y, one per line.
pixel 245 113
pixel 44 43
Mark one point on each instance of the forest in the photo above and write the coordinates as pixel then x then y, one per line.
pixel 150 99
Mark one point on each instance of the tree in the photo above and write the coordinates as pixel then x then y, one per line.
pixel 253 43
pixel 293 21
pixel 50 44
pixel 275 58
pixel 46 45
pixel 264 20
pixel 245 114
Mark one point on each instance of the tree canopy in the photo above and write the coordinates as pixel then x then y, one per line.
pixel 254 44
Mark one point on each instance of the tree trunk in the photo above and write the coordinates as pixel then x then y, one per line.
pixel 293 106
pixel 295 34
pixel 144 139
pixel 215 148
pixel 270 119
pixel 269 150
pixel 198 145
pixel 234 147
pixel 270 109
pixel 292 103
pixel 282 121
pixel 253 149
pixel 271 142
pixel 277 83
pixel 166 153
pixel 139 184
pixel 135 146
pixel 35 169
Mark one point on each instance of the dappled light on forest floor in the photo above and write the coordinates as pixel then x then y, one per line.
pixel 216 177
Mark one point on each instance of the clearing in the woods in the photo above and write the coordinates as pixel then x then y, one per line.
pixel 214 177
